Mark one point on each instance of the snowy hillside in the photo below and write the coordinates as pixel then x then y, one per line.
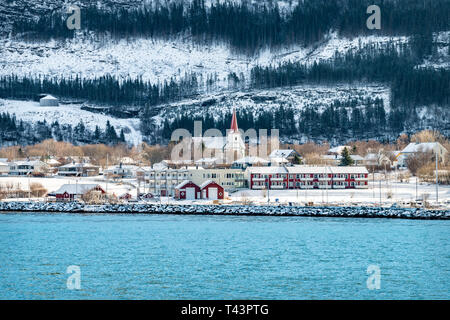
pixel 30 111
pixel 157 60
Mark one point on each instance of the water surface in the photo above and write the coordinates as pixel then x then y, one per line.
pixel 221 257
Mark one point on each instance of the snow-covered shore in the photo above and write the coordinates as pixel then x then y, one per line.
pixel 248 210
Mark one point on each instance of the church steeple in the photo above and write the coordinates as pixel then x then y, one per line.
pixel 234 126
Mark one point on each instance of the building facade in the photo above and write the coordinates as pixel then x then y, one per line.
pixel 306 177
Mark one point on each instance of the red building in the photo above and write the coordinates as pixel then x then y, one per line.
pixel 187 190
pixel 70 192
pixel 308 177
pixel 211 190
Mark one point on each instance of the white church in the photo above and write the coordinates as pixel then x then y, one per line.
pixel 229 148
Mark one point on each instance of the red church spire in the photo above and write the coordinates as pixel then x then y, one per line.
pixel 234 126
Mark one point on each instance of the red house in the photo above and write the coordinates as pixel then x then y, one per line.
pixel 187 190
pixel 70 192
pixel 211 190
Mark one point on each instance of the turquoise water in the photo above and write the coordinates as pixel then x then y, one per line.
pixel 221 257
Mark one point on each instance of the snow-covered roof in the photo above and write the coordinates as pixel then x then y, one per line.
pixel 251 160
pixel 78 165
pixel 4 164
pixel 349 169
pixel 182 184
pixel 127 160
pixel 159 166
pixel 325 169
pixel 279 159
pixel 206 160
pixel 267 170
pixel 354 157
pixel 27 162
pixel 204 184
pixel 421 147
pixel 281 153
pixel 338 149
pixel 308 169
pixel 49 97
pixel 75 188
pixel 129 167
pixel 53 161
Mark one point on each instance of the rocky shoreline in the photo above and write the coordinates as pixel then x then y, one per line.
pixel 354 212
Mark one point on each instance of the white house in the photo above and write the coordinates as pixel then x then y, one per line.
pixel 4 168
pixel 78 170
pixel 27 167
pixel 413 148
pixel 250 161
pixel 48 101
pixel 122 171
pixel 277 155
pixel 335 159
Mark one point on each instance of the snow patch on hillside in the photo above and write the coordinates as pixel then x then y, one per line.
pixel 30 111
pixel 157 60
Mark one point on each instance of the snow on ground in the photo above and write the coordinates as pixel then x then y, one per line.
pixel 30 111
pixel 400 193
pixel 316 96
pixel 54 183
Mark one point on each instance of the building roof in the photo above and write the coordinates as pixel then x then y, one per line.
pixel 338 149
pixel 182 184
pixel 234 126
pixel 354 157
pixel 26 162
pixel 421 147
pixel 281 153
pixel 279 160
pixel 251 160
pixel 4 164
pixel 48 97
pixel 207 182
pixel 349 169
pixel 53 161
pixel 79 165
pixel 308 169
pixel 326 169
pixel 206 160
pixel 267 170
pixel 76 188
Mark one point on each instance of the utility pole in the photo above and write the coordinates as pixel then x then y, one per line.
pixel 416 188
pixel 437 180
pixel 380 193
pixel 107 158
pixel 326 181
pixel 373 182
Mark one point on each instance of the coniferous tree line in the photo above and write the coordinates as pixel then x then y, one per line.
pixel 248 27
pixel 410 86
pixel 18 132
pixel 342 118
pixel 105 89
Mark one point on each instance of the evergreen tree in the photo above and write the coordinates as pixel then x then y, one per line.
pixel 346 160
